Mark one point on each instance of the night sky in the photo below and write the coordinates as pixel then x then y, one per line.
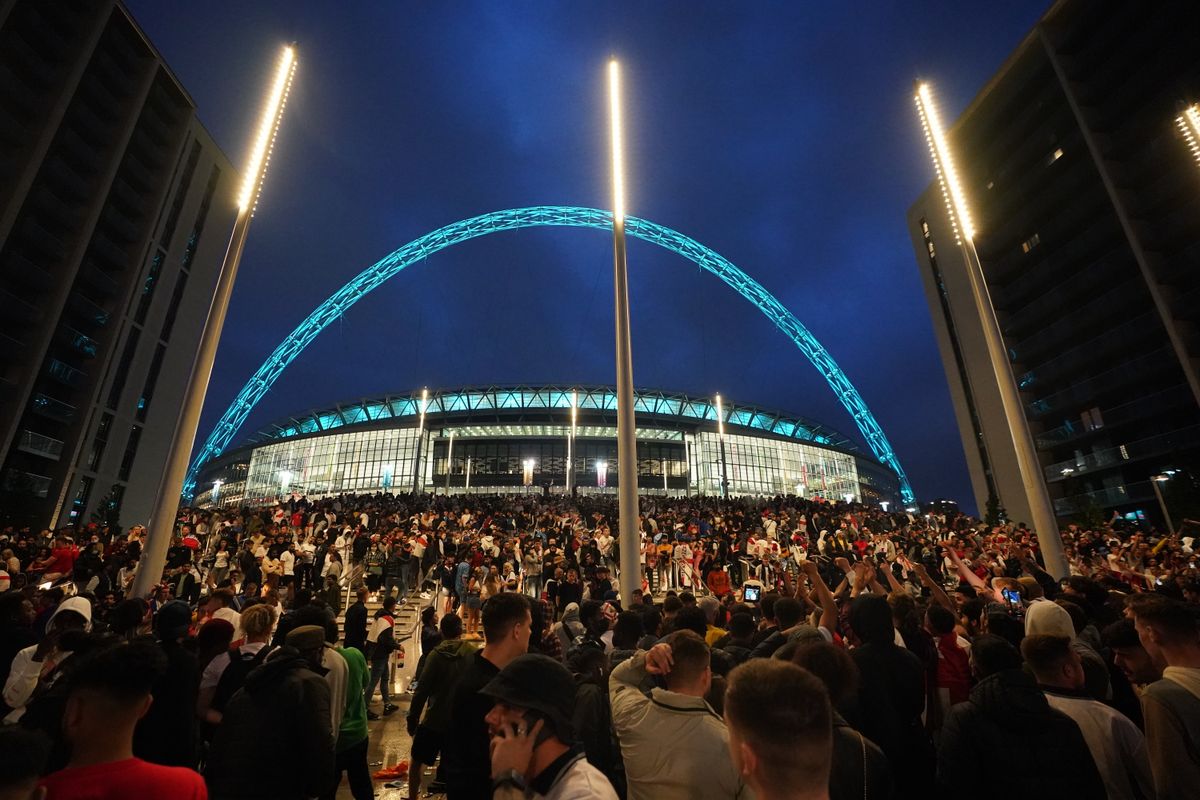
pixel 782 135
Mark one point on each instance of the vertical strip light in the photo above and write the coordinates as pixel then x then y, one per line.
pixel 268 128
pixel 165 508
pixel 943 163
pixel 618 144
pixel 1189 125
pixel 720 418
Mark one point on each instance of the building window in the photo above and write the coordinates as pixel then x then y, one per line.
pixel 180 195
pixel 143 405
pixel 148 287
pixel 131 447
pixel 79 501
pixel 99 441
pixel 173 308
pixel 1030 243
pixel 118 384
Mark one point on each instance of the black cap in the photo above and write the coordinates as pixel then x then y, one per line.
pixel 539 683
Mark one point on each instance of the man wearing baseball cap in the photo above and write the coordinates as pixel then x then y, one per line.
pixel 532 741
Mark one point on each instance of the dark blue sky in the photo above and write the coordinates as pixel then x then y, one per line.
pixel 782 135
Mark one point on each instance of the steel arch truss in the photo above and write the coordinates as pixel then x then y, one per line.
pixel 537 216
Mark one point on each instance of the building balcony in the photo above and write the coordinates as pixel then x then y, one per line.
pixel 27 483
pixel 1090 390
pixel 79 342
pixel 46 406
pixel 17 310
pixel 39 445
pixel 96 280
pixel 1104 498
pixel 65 373
pixel 1143 408
pixel 86 311
pixel 1104 347
pixel 24 272
pixel 1182 439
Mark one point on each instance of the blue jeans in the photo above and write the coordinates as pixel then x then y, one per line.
pixel 379 675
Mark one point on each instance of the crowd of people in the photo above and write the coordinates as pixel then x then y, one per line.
pixel 774 647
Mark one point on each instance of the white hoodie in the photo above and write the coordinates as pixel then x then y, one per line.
pixel 23 678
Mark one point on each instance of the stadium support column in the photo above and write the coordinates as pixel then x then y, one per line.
pixel 449 455
pixel 1044 522
pixel 170 485
pixel 417 476
pixel 570 479
pixel 721 448
pixel 627 489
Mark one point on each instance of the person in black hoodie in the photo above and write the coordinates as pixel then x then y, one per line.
pixel 1008 735
pixel 275 738
pixel 891 697
pixel 356 622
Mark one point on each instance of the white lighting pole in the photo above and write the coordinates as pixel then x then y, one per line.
pixel 467 487
pixel 1189 126
pixel 571 444
pixel 449 453
pixel 721 445
pixel 627 489
pixel 170 485
pixel 1155 480
pixel 1042 510
pixel 420 437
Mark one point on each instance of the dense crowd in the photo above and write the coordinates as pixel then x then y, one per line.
pixel 774 648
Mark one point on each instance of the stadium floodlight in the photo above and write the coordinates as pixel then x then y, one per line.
pixel 268 128
pixel 1016 425
pixel 721 446
pixel 618 143
pixel 943 162
pixel 170 484
pixel 420 439
pixel 1189 125
pixel 570 479
pixel 627 484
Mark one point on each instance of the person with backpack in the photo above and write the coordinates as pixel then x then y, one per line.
pixel 226 673
pixel 381 643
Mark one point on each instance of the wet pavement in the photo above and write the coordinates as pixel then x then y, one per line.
pixel 389 740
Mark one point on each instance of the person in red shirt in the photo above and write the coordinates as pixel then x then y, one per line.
pixel 109 694
pixel 62 559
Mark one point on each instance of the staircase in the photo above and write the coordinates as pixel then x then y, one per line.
pixel 407 630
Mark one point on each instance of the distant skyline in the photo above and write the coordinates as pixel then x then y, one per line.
pixel 783 137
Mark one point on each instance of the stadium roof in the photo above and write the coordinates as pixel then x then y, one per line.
pixel 472 400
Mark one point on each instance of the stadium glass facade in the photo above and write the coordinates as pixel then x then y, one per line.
pixel 519 440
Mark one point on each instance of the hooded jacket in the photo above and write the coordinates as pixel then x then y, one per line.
pixel 442 668
pixel 1006 741
pixel 275 738
pixel 24 674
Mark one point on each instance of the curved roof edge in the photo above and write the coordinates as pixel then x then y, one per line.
pixel 501 398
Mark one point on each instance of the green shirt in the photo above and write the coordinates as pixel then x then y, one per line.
pixel 354 721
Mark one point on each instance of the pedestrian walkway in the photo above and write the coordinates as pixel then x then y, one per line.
pixel 389 741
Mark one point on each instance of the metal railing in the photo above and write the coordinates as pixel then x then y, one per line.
pixel 1131 451
pixel 40 445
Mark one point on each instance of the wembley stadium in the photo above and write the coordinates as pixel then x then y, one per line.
pixel 543 439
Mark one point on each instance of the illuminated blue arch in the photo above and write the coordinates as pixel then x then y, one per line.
pixel 536 216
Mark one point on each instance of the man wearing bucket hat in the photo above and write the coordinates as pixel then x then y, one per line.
pixel 532 740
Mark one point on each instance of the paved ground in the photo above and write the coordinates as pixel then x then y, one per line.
pixel 390 741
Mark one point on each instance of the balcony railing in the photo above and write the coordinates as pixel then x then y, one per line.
pixel 1184 438
pixel 21 482
pixel 40 445
pixel 48 407
pixel 1104 498
pixel 65 373
pixel 1141 408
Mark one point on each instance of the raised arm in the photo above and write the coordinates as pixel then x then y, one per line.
pixel 937 592
pixel 828 619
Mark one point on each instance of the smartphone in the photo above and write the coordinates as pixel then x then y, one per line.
pixel 751 594
pixel 1012 596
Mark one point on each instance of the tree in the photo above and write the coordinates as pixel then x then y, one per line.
pixel 994 513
